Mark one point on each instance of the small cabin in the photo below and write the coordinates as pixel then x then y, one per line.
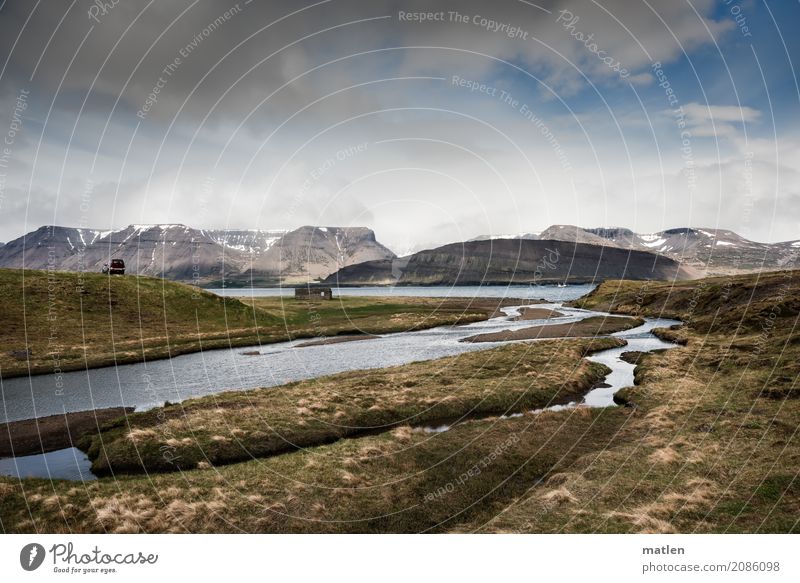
pixel 313 293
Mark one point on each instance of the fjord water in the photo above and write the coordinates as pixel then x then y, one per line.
pixel 549 293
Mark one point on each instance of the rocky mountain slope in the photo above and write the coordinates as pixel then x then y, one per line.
pixel 520 261
pixel 708 251
pixel 201 256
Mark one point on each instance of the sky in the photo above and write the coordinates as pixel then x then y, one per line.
pixel 429 122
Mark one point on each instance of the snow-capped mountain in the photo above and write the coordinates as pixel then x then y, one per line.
pixel 532 236
pixel 709 251
pixel 198 255
pixel 249 241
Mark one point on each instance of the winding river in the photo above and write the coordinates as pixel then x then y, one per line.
pixel 147 385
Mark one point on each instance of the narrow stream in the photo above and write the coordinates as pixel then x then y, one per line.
pixel 151 384
pixel 148 385
pixel 639 339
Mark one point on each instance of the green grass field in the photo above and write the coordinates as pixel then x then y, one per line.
pixel 72 321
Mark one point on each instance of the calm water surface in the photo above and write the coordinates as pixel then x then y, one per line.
pixel 549 293
pixel 63 464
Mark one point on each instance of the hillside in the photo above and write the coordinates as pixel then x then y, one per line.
pixel 712 305
pixel 711 443
pixel 62 318
pixel 504 261
pixel 67 321
pixel 199 256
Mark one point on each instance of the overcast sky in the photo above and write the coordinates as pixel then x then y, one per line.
pixel 481 118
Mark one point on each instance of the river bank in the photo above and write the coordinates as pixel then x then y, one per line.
pixel 45 434
pixel 66 319
pixel 153 383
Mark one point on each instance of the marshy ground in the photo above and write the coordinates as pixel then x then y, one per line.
pixel 709 443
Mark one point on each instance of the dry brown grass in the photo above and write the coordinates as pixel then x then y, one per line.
pixel 558 496
pixel 680 465
pixel 240 425
pixel 704 450
pixel 664 455
pixel 384 487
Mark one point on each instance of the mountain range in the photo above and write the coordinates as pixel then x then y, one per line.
pixel 202 256
pixel 353 256
pixel 708 251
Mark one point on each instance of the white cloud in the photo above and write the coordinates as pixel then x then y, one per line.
pixel 716 121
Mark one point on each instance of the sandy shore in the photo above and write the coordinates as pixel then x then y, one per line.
pixel 594 326
pixel 337 340
pixel 537 314
pixel 35 436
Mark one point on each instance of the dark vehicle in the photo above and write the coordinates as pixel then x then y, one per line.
pixel 117 267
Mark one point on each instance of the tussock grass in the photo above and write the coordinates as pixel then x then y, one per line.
pixel 237 426
pixel 715 419
pixel 709 447
pixel 400 481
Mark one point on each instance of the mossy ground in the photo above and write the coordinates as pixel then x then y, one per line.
pixel 711 445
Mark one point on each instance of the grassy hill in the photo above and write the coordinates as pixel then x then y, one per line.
pixel 711 305
pixel 736 324
pixel 64 321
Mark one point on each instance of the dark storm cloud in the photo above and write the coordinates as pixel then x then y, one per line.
pixel 150 99
pixel 241 52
